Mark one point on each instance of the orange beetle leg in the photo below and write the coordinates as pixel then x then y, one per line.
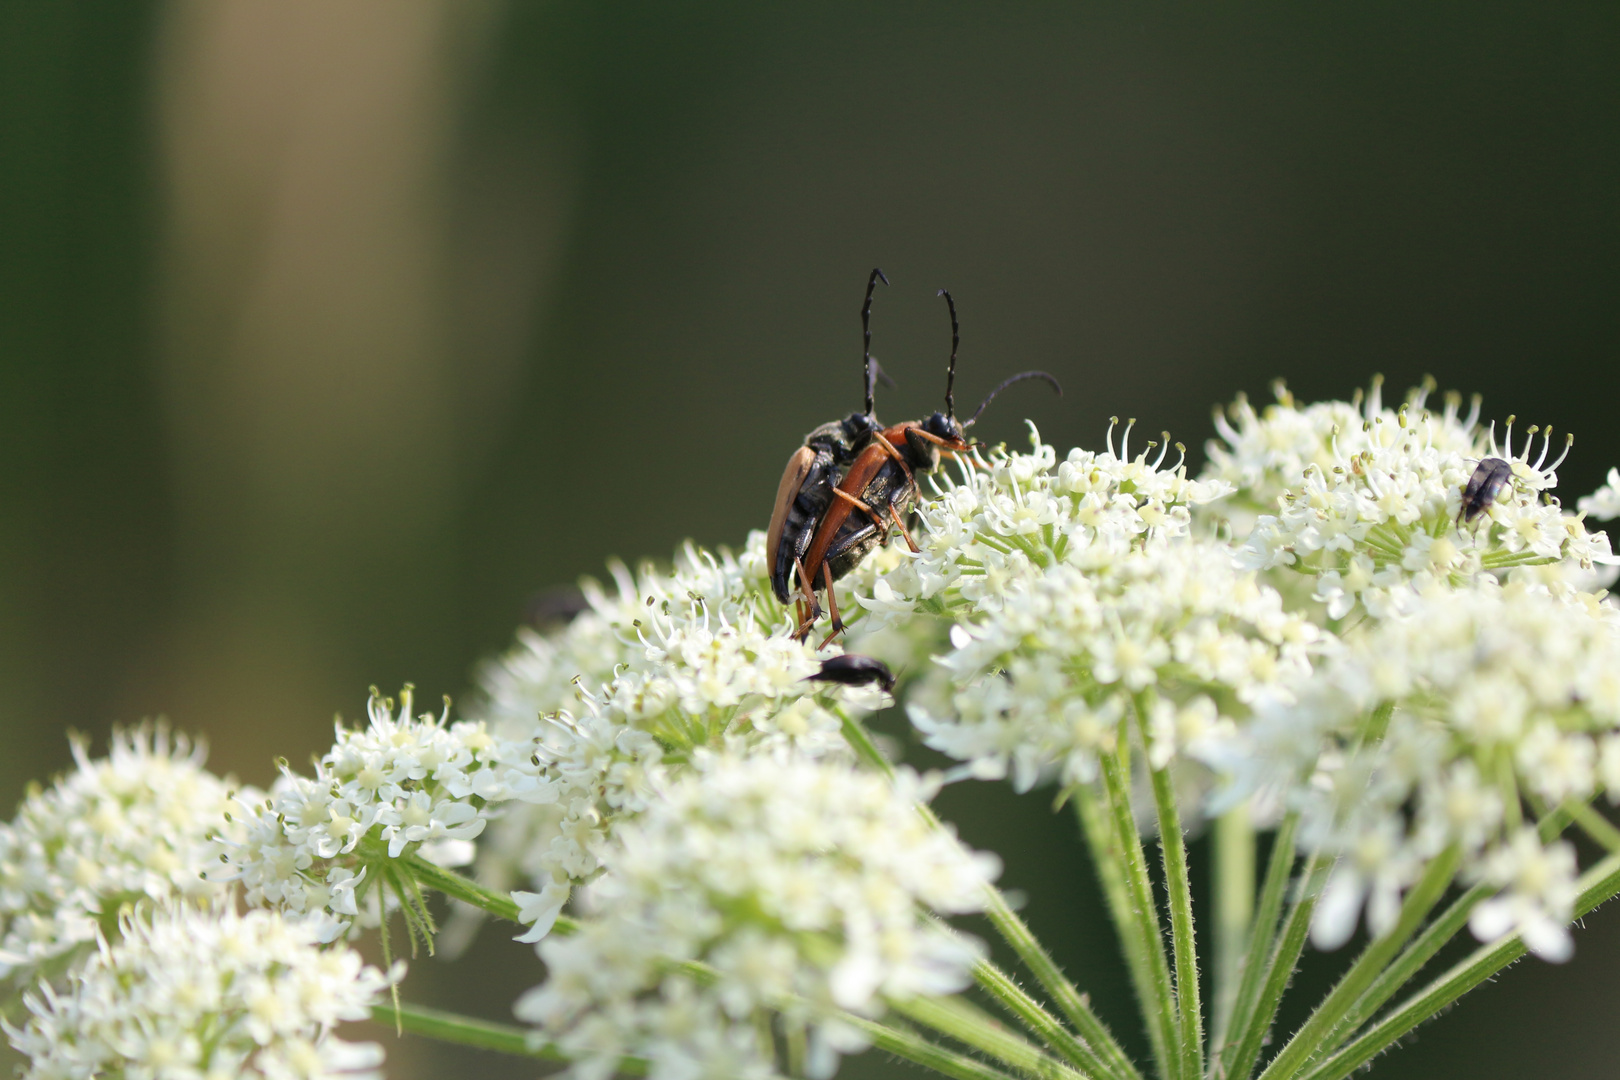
pixel 859 505
pixel 894 517
pixel 832 604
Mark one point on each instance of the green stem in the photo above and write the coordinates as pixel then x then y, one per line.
pixel 1279 970
pixel 1103 1047
pixel 1424 947
pixel 1595 825
pixel 484 1034
pixel 1139 917
pixel 909 1046
pixel 1173 848
pixel 1074 1005
pixel 1262 935
pixel 865 748
pixel 465 889
pixel 1377 725
pixel 1373 959
pixel 497 903
pixel 1234 911
pixel 1597 885
pixel 1044 1025
pixel 958 1020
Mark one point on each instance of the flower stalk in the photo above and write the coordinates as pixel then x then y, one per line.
pixel 1137 916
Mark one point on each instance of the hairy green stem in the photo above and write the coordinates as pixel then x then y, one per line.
pixel 968 1025
pixel 1108 859
pixel 1178 886
pixel 909 1046
pixel 1099 1041
pixel 860 740
pixel 1373 959
pixel 1424 947
pixel 1139 917
pixel 1595 825
pixel 1597 885
pixel 1045 1026
pixel 1262 939
pixel 1074 1005
pixel 495 902
pixel 1279 969
pixel 1234 911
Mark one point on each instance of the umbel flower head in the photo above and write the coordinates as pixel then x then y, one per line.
pixel 799 886
pixel 1016 515
pixel 1371 512
pixel 668 664
pixel 205 993
pixel 1265 454
pixel 1496 704
pixel 140 823
pixel 400 785
pixel 1075 593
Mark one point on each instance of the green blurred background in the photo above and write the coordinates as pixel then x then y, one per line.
pixel 330 334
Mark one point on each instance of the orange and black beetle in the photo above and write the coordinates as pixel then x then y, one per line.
pixel 815 469
pixel 852 480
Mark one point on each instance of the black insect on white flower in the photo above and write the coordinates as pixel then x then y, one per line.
pixel 853 669
pixel 1490 477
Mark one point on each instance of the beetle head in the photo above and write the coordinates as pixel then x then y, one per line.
pixel 858 429
pixel 946 434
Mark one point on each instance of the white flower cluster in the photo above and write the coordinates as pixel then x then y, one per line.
pixel 1018 514
pixel 204 993
pixel 669 663
pixel 1077 592
pixel 1264 455
pixel 1506 703
pixel 1372 514
pixel 801 886
pixel 401 784
pixel 138 824
pixel 1171 629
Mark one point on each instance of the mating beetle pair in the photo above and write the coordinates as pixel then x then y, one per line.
pixel 853 481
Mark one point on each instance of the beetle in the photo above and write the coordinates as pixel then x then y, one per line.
pixel 1491 475
pixel 815 468
pixel 853 669
pixel 881 485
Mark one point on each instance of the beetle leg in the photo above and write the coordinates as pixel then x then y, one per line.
pixel 808 618
pixel 832 605
pixel 899 458
pixel 947 444
pixel 859 505
pixel 894 517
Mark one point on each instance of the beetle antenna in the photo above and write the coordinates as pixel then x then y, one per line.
pixel 950 371
pixel 1020 377
pixel 866 333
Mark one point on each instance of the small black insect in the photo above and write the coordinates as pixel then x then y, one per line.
pixel 853 669
pixel 1490 477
